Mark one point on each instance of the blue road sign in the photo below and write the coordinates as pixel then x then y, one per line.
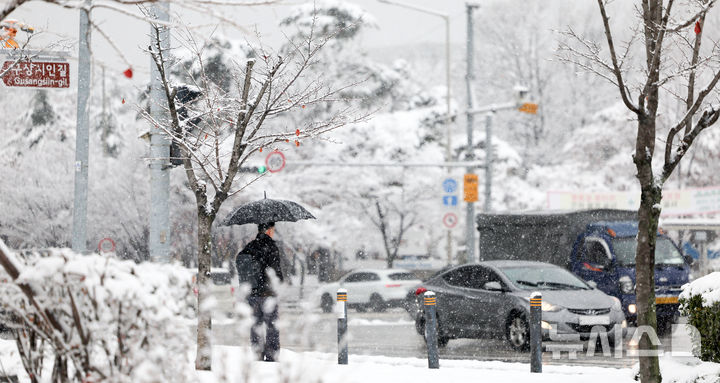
pixel 450 200
pixel 449 185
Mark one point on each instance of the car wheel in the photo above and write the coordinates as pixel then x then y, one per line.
pixel 443 341
pixel 420 324
pixel 377 303
pixel 517 332
pixel 442 338
pixel 664 326
pixel 611 342
pixel 326 303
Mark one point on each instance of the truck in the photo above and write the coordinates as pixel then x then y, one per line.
pixel 597 245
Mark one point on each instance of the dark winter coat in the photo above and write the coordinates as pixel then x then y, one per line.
pixel 265 256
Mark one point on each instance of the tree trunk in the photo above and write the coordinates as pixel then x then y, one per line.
pixel 390 261
pixel 203 359
pixel 648 216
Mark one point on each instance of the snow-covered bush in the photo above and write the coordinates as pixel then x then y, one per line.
pixel 98 318
pixel 700 302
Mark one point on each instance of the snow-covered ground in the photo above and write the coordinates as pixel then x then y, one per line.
pixel 320 367
pixel 231 364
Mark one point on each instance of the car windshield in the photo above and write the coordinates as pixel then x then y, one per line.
pixel 543 278
pixel 665 251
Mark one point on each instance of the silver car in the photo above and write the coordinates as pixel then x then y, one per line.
pixel 491 299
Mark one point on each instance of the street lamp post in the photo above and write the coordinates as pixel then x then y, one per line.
pixel 469 153
pixel 448 151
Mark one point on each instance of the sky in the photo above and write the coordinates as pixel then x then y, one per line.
pixel 397 26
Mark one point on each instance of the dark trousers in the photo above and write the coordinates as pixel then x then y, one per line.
pixel 267 350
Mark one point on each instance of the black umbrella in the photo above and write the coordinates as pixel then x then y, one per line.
pixel 267 210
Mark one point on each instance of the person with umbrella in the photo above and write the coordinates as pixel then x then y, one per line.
pixel 256 260
pixel 264 255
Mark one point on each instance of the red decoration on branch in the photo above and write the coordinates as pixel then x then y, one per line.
pixel 698 29
pixel 128 73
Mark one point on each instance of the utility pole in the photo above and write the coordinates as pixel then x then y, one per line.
pixel 159 146
pixel 82 141
pixel 469 153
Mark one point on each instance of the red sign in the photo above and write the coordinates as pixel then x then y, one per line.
pixel 103 249
pixel 36 74
pixel 450 220
pixel 275 161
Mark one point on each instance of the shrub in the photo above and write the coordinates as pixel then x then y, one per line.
pixel 98 318
pixel 700 302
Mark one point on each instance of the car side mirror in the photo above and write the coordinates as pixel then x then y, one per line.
pixel 689 259
pixel 592 284
pixel 608 266
pixel 493 286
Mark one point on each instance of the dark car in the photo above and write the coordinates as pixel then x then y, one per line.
pixel 491 299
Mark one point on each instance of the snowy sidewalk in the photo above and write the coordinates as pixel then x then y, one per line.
pixel 322 367
pixel 234 364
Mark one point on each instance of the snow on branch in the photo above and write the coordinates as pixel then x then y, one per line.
pixel 226 125
pixel 96 317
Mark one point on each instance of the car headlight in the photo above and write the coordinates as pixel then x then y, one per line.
pixel 626 285
pixel 547 306
pixel 617 306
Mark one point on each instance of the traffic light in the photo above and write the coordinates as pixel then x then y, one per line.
pixel 253 169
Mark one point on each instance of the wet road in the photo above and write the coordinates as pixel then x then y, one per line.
pixel 393 334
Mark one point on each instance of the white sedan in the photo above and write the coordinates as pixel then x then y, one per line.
pixel 376 289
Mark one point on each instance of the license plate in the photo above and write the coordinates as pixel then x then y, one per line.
pixel 591 320
pixel 666 300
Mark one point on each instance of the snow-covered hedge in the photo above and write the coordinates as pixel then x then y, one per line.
pixel 97 318
pixel 700 302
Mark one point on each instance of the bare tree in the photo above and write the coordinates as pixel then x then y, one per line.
pixel 670 35
pixel 387 214
pixel 233 126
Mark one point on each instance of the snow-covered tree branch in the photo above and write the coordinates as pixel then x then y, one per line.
pixel 96 318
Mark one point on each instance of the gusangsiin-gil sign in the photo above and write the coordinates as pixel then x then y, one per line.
pixel 36 74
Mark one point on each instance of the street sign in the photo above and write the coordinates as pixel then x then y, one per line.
pixel 109 248
pixel 450 200
pixel 471 187
pixel 36 74
pixel 275 161
pixel 450 220
pixel 528 107
pixel 449 185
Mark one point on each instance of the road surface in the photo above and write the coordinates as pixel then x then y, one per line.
pixel 393 334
